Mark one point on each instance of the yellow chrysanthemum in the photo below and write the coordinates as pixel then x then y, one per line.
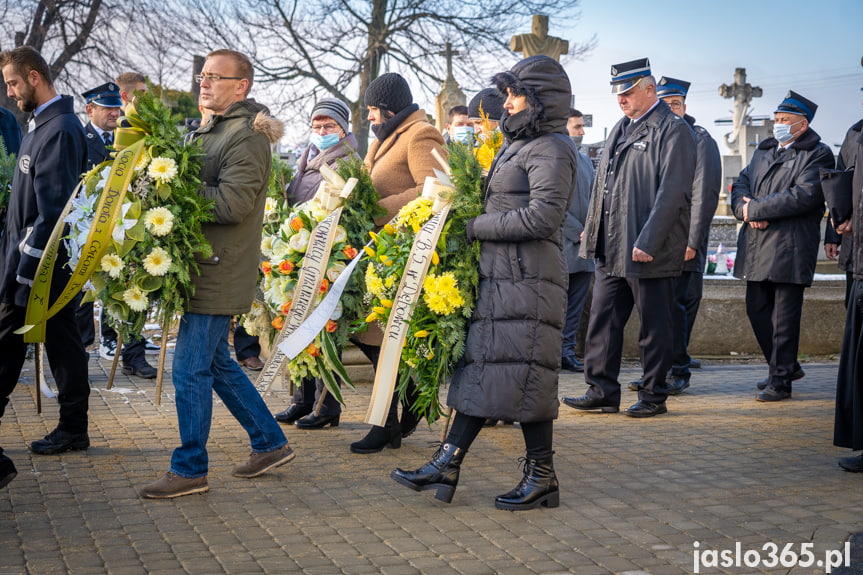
pixel 135 299
pixel 160 221
pixel 415 213
pixel 162 169
pixel 157 262
pixel 441 293
pixel 112 265
pixel 142 161
pixel 374 285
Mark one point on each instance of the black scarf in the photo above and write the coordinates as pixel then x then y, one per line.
pixel 385 129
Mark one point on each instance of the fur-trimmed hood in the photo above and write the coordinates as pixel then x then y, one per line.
pixel 545 84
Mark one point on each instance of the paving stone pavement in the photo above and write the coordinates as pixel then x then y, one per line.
pixel 637 495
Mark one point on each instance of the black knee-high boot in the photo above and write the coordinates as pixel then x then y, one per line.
pixel 440 473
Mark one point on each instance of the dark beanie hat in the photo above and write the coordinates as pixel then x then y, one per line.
pixel 389 92
pixel 335 109
pixel 492 104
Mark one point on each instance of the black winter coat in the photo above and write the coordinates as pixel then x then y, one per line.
pixel 786 192
pixel 512 358
pixel 706 186
pixel 650 199
pixel 51 160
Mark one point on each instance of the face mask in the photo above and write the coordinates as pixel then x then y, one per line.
pixel 324 142
pixel 782 132
pixel 463 135
pixel 577 140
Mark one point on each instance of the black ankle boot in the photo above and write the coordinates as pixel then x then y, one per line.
pixel 378 438
pixel 440 473
pixel 538 487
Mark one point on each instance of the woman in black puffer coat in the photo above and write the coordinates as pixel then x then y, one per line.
pixel 511 363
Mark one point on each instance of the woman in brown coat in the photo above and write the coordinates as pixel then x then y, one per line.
pixel 398 160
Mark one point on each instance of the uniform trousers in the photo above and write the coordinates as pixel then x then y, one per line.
pixel 774 311
pixel 66 357
pixel 848 426
pixel 613 299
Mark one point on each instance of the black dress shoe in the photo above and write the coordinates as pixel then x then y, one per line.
pixel 677 385
pixel 852 464
pixel 643 408
pixel 587 403
pixel 694 363
pixel 143 370
pixel 571 364
pixel 313 421
pixel 293 413
pixel 770 393
pixel 635 385
pixel 798 374
pixel 59 441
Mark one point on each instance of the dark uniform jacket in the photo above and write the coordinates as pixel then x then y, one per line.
pixel 51 160
pixel 847 160
pixel 236 173
pixel 650 197
pixel 705 195
pixel 97 151
pixel 786 192
pixel 576 214
pixel 512 357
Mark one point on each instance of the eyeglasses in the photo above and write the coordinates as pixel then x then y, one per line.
pixel 675 105
pixel 325 127
pixel 199 78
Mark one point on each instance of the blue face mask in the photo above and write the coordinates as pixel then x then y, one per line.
pixel 782 132
pixel 463 135
pixel 324 142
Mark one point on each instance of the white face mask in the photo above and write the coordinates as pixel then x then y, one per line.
pixel 782 132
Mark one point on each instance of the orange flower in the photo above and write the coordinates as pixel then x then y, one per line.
pixel 278 322
pixel 325 285
pixel 350 252
pixel 286 307
pixel 266 267
pixel 286 266
pixel 297 224
pixel 313 350
pixel 331 326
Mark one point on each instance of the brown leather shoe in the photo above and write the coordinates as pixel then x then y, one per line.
pixel 253 363
pixel 260 463
pixel 171 485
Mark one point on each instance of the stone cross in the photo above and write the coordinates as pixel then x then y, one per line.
pixel 742 93
pixel 450 94
pixel 538 41
pixel 448 53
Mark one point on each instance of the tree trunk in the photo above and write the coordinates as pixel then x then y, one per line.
pixel 369 70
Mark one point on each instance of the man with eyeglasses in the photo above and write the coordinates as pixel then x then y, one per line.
pixel 330 141
pixel 637 227
pixel 779 199
pixel 237 142
pixel 705 197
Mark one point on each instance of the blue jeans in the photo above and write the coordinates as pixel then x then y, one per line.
pixel 202 364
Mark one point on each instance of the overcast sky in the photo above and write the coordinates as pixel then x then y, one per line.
pixel 811 47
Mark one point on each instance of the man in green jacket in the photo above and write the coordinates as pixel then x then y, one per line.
pixel 236 139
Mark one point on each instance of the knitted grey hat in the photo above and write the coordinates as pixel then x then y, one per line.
pixel 335 109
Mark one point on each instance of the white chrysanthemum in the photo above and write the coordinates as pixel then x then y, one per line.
pixel 275 294
pixel 162 169
pixel 157 262
pixel 135 299
pixel 341 235
pixel 160 221
pixel 112 265
pixel 267 246
pixel 270 206
pixel 279 250
pixel 300 241
pixel 335 270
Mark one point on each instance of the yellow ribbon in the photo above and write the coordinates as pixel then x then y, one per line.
pixel 107 211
